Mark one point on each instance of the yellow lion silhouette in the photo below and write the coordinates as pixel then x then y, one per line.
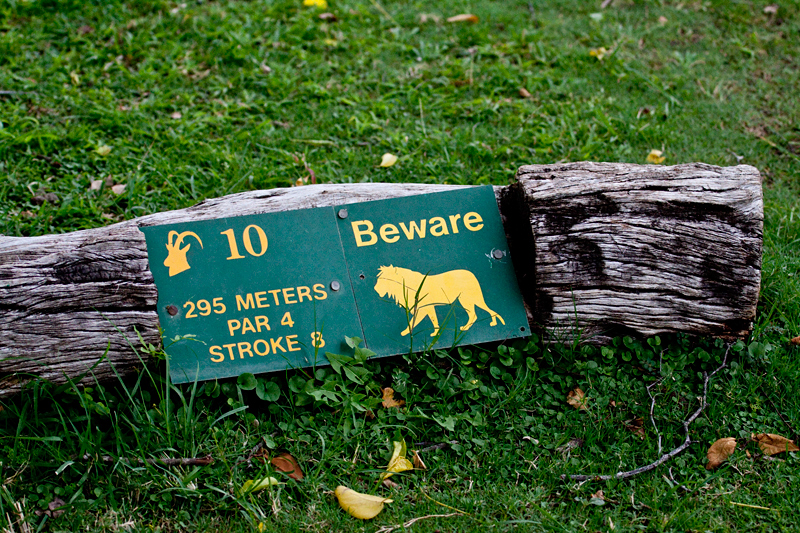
pixel 420 294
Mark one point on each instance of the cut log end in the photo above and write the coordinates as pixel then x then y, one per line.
pixel 644 249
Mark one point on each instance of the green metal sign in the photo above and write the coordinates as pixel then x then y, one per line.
pixel 431 271
pixel 260 293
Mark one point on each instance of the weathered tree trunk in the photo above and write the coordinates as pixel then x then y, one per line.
pixel 643 249
pixel 597 246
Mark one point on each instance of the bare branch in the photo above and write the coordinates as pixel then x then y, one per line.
pixel 389 529
pixel 672 453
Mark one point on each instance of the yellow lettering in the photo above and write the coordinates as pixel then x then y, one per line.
pixel 244 348
pixel 286 296
pixel 358 233
pixel 412 227
pixel 215 350
pixel 230 349
pixel 275 295
pixel 233 325
pixel 390 233
pixel 473 221
pixel 247 326
pixel 276 345
pixel 454 222
pixel 440 227
pixel 244 303
pixel 266 347
pixel 261 299
pixel 262 321
pixel 319 293
pixel 303 292
pixel 291 342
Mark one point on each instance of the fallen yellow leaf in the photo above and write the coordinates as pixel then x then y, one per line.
pixel 103 150
pixel 464 17
pixel 321 4
pixel 577 399
pixel 388 160
pixel 654 157
pixel 719 452
pixel 771 444
pixel 254 485
pixel 599 53
pixel 388 399
pixel 364 506
pixel 398 462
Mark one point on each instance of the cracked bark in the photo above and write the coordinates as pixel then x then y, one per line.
pixel 599 249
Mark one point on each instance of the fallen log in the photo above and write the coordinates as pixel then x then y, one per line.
pixel 645 249
pixel 598 249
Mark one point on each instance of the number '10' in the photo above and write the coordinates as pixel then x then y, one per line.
pixel 248 244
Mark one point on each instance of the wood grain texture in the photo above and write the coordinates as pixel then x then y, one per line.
pixel 597 246
pixel 645 249
pixel 71 304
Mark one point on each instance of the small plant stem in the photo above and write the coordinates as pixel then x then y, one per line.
pixel 672 453
pixel 437 446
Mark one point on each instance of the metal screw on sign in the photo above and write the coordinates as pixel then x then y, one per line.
pixel 335 285
pixel 342 213
pixel 497 254
pixel 172 310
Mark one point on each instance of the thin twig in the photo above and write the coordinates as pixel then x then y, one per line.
pixel 166 461
pixel 389 529
pixel 676 451
pixel 437 446
pixel 653 400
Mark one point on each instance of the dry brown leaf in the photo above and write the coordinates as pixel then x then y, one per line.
pixel 771 9
pixel 464 17
pixel 571 445
pixel 772 444
pixel 417 461
pixel 577 399
pixel 390 484
pixel 118 188
pixel 364 506
pixel 636 426
pixel 795 341
pixel 388 399
pixel 176 115
pixel 329 17
pixel 54 508
pixel 286 463
pixel 524 93
pixel 95 185
pixel 719 452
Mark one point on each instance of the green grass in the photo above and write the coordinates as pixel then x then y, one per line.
pixel 265 91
